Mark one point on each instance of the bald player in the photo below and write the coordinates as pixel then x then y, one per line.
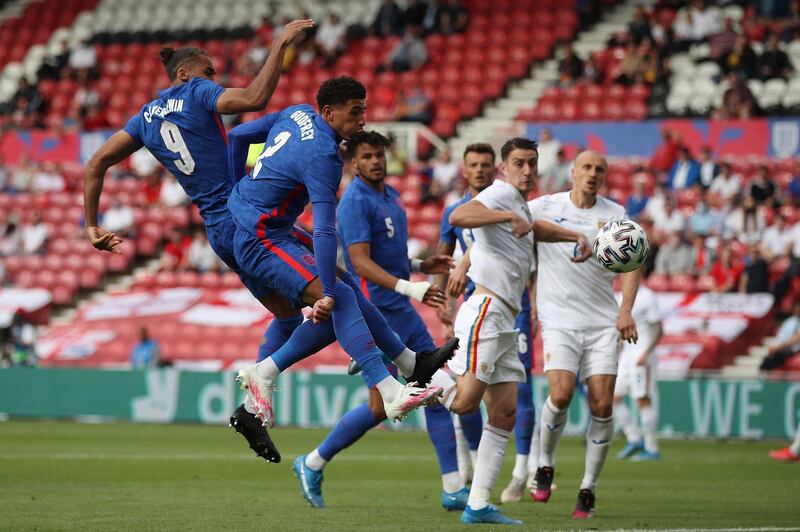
pixel 582 325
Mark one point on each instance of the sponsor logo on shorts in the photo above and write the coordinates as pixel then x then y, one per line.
pixel 484 367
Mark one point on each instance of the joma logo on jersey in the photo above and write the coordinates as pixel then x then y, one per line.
pixel 304 123
pixel 173 106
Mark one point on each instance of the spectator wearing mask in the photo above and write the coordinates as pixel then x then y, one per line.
pixel 685 173
pixel 146 352
pixel 755 277
pixel 727 184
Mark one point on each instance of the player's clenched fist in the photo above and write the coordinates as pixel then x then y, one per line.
pixel 520 226
pixel 322 309
pixel 104 240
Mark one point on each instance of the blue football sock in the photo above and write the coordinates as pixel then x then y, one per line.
pixel 385 338
pixel 472 427
pixel 526 416
pixel 354 337
pixel 347 431
pixel 277 333
pixel 443 436
pixel 307 339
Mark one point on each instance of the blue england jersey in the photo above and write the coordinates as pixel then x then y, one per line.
pixel 367 215
pixel 183 130
pixel 450 235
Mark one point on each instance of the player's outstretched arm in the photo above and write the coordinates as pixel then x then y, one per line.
pixel 475 214
pixel 549 232
pixel 258 93
pixel 239 140
pixel 115 149
pixel 625 323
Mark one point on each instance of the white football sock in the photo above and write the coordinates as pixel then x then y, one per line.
pixel 473 455
pixel 598 441
pixel 249 404
pixel 533 458
pixel 441 378
pixel 553 421
pixel 389 388
pixel 622 415
pixel 491 452
pixel 795 446
pixel 462 453
pixel 451 482
pixel 520 472
pixel 267 369
pixel 649 419
pixel 406 361
pixel 315 461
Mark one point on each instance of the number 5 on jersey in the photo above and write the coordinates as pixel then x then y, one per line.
pixel 280 140
pixel 175 143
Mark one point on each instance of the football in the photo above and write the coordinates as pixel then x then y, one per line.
pixel 621 246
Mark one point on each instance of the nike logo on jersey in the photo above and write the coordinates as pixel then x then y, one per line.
pixel 551 428
pixel 599 442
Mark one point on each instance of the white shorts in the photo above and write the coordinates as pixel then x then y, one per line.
pixel 584 352
pixel 634 380
pixel 487 341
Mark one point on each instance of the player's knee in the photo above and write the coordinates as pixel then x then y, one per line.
pixel 601 406
pixel 465 405
pixel 560 398
pixel 503 417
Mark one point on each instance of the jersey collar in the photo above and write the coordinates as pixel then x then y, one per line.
pixel 326 128
pixel 363 186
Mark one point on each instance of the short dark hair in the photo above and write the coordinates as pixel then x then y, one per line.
pixel 172 59
pixel 372 138
pixel 517 143
pixel 337 91
pixel 480 147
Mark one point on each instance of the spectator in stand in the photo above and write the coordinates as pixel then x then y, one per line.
pixel 685 173
pixel 146 352
pixel 397 158
pixel 675 256
pixel 414 14
pixel 741 59
pixel 10 238
pixel 118 219
pixel 22 175
pixel 34 235
pixel 253 59
pixel 172 193
pixel 83 58
pixel 47 179
pixel 389 19
pixel 452 17
pixel 683 28
pixel 706 220
pixel 793 190
pixel 95 118
pixel 727 184
pixel 755 277
pixel 5 175
pixel 762 188
pixel 777 239
pixel 413 106
pixel 176 251
pixel 548 152
pixel 670 220
pixel 560 177
pixel 143 164
pixel 430 22
pixel 721 43
pixel 737 101
pixel 85 96
pixel 151 189
pixel 445 171
pixel 201 256
pixel 408 54
pixel 726 271
pixel 29 95
pixel 774 62
pixel 705 19
pixel 54 65
pixel 787 342
pixel 708 167
pixel 702 255
pixel 783 284
pixel 666 153
pixel 637 201
pixel 593 71
pixel 331 40
pixel 570 69
pixel 639 27
pixel 631 67
pixel 745 222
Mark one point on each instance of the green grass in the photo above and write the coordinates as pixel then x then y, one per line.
pixel 67 476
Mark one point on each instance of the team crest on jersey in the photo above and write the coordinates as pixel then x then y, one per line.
pixel 601 223
pixel 308 259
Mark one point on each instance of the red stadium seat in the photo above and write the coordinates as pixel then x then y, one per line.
pixel 682 283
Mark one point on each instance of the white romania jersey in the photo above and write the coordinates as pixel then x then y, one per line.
pixel 570 295
pixel 499 260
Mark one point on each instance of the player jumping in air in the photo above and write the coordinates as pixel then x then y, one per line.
pixel 487 365
pixel 183 130
pixel 300 163
pixel 581 325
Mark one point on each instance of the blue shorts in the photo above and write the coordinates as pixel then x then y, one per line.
pixel 408 325
pixel 524 338
pixel 220 238
pixel 277 262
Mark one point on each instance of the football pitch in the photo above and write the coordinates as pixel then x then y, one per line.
pixel 69 476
